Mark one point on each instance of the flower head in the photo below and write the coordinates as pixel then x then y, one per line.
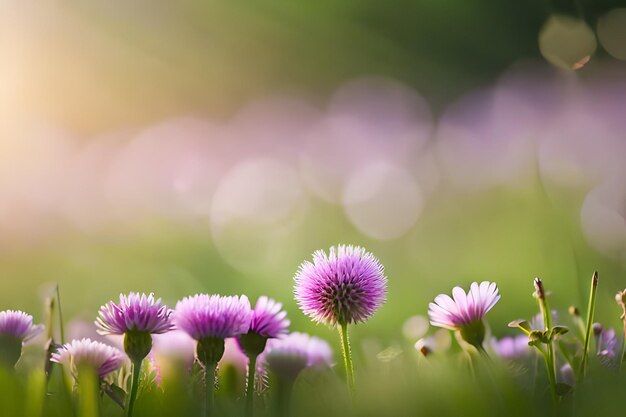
pixel 104 359
pixel 267 321
pixel 511 347
pixel 288 356
pixel 465 312
pixel 213 316
pixel 464 308
pixel 607 342
pixel 134 313
pixel 18 325
pixel 346 286
pixel 268 318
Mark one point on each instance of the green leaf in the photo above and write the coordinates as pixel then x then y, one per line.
pixel 117 394
pixel 557 330
pixel 523 325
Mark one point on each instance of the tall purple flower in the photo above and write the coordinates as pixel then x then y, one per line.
pixel 137 317
pixel 16 328
pixel 465 312
pixel 268 321
pixel 134 313
pixel 102 358
pixel 209 319
pixel 346 286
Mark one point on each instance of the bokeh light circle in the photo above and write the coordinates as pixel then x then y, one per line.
pixel 612 32
pixel 255 208
pixel 567 42
pixel 383 201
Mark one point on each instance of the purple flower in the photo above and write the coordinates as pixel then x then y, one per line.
pixel 18 325
pixel 567 375
pixel 268 318
pixel 104 359
pixel 511 347
pixel 134 313
pixel 346 286
pixel 213 316
pixel 607 342
pixel 464 309
pixel 289 355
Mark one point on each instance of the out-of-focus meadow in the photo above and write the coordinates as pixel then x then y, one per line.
pixel 211 146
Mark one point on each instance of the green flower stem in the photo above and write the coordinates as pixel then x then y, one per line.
pixel 61 329
pixel 88 393
pixel 134 388
pixel 590 312
pixel 209 385
pixel 284 387
pixel 546 313
pixel 548 359
pixel 250 386
pixel 347 357
pixel 485 355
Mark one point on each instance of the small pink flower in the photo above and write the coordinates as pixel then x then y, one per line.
pixel 463 309
pixel 104 359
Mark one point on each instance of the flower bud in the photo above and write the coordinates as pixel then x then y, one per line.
pixel 474 333
pixel 252 343
pixel 597 329
pixel 137 345
pixel 210 350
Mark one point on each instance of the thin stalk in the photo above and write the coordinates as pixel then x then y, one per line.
pixel 590 312
pixel 209 385
pixel 49 338
pixel 250 386
pixel 546 313
pixel 136 372
pixel 551 376
pixel 347 357
pixel 621 356
pixel 61 330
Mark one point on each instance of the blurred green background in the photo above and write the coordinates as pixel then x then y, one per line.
pixel 102 72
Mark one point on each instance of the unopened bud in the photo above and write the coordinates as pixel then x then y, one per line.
pixel 423 347
pixel 574 311
pixel 597 329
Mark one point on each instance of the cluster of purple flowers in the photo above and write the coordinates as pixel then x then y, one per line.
pixel 341 288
